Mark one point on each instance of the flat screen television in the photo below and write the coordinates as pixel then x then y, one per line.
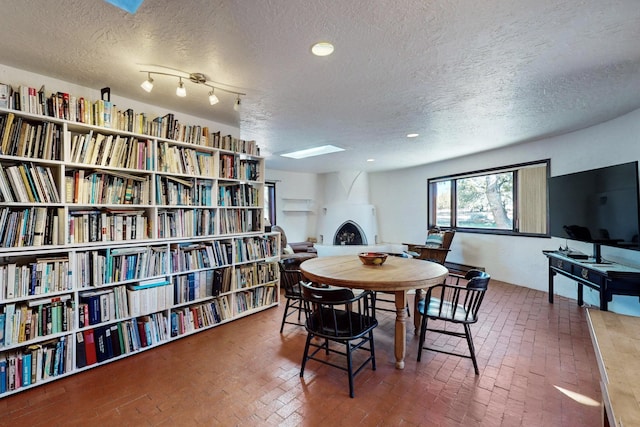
pixel 598 206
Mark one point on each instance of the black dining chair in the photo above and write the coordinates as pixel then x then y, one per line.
pixel 290 279
pixel 454 303
pixel 336 315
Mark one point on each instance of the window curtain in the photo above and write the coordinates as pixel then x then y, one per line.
pixel 532 199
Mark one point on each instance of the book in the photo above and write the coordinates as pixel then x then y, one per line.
pixel 26 369
pixel 81 351
pixel 102 347
pixel 5 95
pixel 3 374
pixel 90 346
pixel 9 310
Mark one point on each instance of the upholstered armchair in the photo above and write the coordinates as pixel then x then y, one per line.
pixel 300 250
pixel 435 248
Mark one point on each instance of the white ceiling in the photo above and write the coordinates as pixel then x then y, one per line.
pixel 466 75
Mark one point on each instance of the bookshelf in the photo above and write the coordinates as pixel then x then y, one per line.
pixel 119 234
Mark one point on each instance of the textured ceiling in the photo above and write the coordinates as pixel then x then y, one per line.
pixel 466 75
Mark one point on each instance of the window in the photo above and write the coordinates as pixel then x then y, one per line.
pixel 508 200
pixel 270 203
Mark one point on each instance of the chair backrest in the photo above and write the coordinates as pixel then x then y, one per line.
pixel 290 277
pixel 461 303
pixel 477 279
pixel 337 313
pixel 439 238
pixel 448 238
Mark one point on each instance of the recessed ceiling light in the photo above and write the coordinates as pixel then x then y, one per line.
pixel 412 135
pixel 315 151
pixel 322 49
pixel 371 160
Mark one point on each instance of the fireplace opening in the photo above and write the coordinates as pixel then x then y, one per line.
pixel 349 233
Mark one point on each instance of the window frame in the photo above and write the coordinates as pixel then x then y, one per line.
pixel 270 187
pixel 515 231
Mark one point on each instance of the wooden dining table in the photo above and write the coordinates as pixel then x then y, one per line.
pixel 397 275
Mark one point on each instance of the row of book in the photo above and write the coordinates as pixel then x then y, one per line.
pixel 254 298
pixel 103 112
pixel 175 191
pixel 98 149
pixel 235 221
pixel 191 318
pixel 251 275
pixel 232 167
pixel 149 296
pixel 186 223
pixel 107 187
pixel 24 138
pixel 42 276
pixel 186 161
pixel 107 225
pixel 96 345
pixel 35 363
pixel 28 183
pixel 102 305
pixel 98 267
pixel 201 284
pixel 255 248
pixel 239 195
pixel 36 226
pixel 120 302
pixel 193 256
pixel 35 318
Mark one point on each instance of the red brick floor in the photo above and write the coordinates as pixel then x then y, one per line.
pixel 532 355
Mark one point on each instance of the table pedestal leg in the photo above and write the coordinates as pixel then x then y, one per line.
pixel 401 328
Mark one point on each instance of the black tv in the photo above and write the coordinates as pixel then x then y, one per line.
pixel 598 206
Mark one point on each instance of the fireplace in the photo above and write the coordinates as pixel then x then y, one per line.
pixel 348 224
pixel 349 233
pixel 349 220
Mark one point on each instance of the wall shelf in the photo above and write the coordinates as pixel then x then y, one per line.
pixel 291 205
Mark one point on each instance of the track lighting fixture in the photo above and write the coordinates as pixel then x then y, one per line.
pixel 180 90
pixel 197 78
pixel 147 85
pixel 213 99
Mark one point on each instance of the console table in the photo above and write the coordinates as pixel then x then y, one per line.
pixel 607 278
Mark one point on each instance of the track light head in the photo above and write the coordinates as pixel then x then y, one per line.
pixel 213 99
pixel 237 105
pixel 180 90
pixel 147 85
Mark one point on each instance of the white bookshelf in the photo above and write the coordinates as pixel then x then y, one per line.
pixel 132 247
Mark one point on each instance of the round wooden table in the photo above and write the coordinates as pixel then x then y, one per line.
pixel 397 275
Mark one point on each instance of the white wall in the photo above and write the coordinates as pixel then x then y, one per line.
pixel 401 200
pixel 299 226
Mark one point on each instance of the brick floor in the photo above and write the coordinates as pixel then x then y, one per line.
pixel 246 373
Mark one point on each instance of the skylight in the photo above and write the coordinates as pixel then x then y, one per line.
pixel 315 151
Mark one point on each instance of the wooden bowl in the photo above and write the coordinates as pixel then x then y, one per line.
pixel 372 258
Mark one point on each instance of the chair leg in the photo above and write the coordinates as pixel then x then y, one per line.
pixel 305 355
pixel 350 369
pixel 284 316
pixel 423 333
pixel 299 308
pixel 467 332
pixel 373 351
